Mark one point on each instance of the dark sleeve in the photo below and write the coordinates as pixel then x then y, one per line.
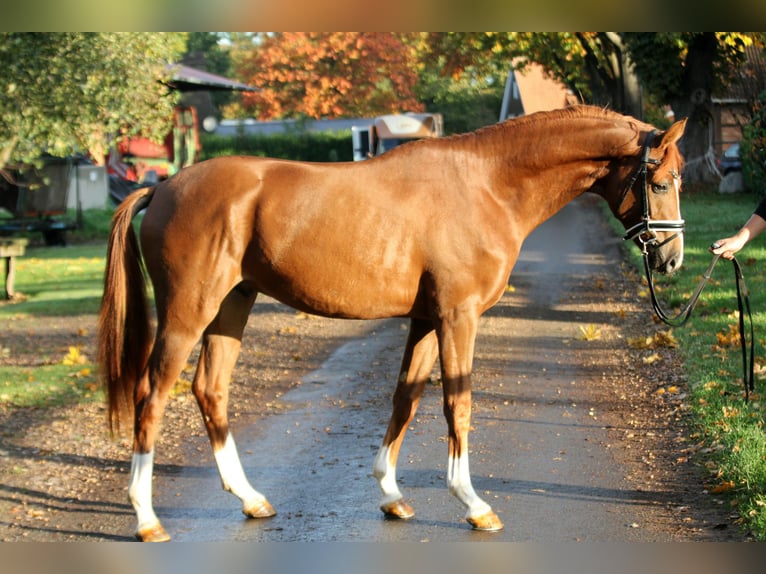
pixel 761 209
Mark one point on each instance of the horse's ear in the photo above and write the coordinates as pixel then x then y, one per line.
pixel 673 134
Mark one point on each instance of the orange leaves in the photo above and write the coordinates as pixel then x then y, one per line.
pixel 728 338
pixel 722 487
pixel 331 74
pixel 658 340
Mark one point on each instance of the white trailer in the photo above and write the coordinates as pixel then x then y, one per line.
pixel 387 132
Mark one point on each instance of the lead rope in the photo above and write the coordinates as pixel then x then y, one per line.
pixel 743 304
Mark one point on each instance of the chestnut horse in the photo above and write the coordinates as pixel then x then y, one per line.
pixel 429 231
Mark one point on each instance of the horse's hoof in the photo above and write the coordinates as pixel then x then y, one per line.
pixel 259 509
pixel 153 533
pixel 398 509
pixel 488 522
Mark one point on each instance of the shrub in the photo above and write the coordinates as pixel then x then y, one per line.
pixel 307 146
pixel 753 148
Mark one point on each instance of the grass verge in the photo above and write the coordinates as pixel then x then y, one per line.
pixel 728 432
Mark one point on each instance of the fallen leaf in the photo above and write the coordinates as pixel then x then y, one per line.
pixel 590 332
pixel 74 357
pixel 653 358
pixel 722 487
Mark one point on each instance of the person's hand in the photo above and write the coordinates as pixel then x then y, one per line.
pixel 728 246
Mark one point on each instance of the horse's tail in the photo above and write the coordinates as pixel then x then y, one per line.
pixel 124 338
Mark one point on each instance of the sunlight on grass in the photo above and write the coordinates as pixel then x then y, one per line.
pixel 728 435
pixel 58 281
pixel 48 385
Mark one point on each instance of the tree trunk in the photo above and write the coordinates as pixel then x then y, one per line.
pixel 627 88
pixel 631 88
pixel 696 104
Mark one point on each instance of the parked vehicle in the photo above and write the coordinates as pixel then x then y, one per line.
pixel 730 161
pixel 389 131
pixel 35 198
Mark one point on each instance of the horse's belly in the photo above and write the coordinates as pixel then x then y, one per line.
pixel 339 290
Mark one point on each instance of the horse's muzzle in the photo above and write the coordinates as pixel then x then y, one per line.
pixel 666 257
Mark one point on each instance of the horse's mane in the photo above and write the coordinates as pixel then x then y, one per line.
pixel 553 116
pixel 501 129
pixel 562 114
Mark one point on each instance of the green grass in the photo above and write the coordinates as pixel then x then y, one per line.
pixel 728 432
pixel 58 281
pixel 53 282
pixel 731 429
pixel 48 385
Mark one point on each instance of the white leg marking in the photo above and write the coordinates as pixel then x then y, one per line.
pixel 233 477
pixel 140 489
pixel 459 484
pixel 385 472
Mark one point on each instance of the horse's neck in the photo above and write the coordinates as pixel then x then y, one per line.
pixel 538 178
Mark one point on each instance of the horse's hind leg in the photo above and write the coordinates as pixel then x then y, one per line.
pixel 220 348
pixel 168 358
pixel 419 357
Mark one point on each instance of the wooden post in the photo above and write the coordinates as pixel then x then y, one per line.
pixel 9 250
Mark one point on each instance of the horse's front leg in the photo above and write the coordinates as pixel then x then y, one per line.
pixel 457 339
pixel 221 344
pixel 418 361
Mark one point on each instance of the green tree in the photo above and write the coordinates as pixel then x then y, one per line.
pixel 685 69
pixel 204 51
pixel 753 148
pixel 595 65
pixel 621 70
pixel 68 92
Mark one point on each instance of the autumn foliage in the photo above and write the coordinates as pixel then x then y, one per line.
pixel 331 75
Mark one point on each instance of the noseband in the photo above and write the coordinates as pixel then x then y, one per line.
pixel 645 230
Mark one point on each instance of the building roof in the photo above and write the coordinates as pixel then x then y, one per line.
pixel 540 92
pixel 530 89
pixel 188 79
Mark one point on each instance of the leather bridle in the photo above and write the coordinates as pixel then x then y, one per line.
pixel 645 230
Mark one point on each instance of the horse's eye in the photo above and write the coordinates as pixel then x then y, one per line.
pixel 660 187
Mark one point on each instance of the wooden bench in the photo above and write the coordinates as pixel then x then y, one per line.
pixel 9 250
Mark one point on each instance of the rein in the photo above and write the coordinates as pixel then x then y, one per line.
pixel 644 231
pixel 743 304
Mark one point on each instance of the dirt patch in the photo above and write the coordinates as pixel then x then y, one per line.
pixel 63 478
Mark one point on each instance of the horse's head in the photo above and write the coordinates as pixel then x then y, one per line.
pixel 649 207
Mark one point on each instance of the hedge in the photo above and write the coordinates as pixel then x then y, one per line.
pixel 308 146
